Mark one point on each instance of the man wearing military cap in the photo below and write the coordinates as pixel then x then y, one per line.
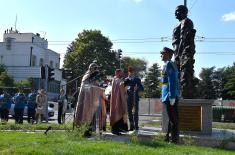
pixel 170 93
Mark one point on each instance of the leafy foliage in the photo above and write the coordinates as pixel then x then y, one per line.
pixel 206 85
pixel 218 83
pixel 229 83
pixel 2 68
pixel 5 79
pixel 24 83
pixel 138 64
pixel 90 46
pixel 152 82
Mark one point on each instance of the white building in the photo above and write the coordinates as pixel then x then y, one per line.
pixel 23 54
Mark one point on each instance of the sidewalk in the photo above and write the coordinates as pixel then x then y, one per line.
pixel 224 138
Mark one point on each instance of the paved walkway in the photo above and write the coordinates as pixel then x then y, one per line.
pixel 219 137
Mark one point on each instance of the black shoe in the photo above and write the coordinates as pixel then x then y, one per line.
pixel 87 134
pixel 175 142
pixel 167 138
pixel 131 127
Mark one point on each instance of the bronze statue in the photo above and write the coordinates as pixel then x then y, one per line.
pixel 184 50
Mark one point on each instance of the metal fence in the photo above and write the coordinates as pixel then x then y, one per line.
pixel 150 106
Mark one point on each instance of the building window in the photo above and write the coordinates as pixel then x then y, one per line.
pixel 8 43
pixel 41 63
pixel 33 60
pixel 51 64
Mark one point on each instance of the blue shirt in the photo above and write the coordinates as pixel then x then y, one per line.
pixel 5 100
pixel 170 81
pixel 32 100
pixel 20 101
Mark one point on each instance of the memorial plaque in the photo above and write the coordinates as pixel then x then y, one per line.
pixel 190 118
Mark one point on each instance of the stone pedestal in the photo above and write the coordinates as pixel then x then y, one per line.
pixel 195 116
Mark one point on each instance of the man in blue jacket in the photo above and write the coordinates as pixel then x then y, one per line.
pixel 32 106
pixel 5 105
pixel 170 94
pixel 134 87
pixel 20 101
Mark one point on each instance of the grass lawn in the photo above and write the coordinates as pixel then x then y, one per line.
pixel 223 125
pixel 69 126
pixel 22 143
pixel 42 126
pixel 154 124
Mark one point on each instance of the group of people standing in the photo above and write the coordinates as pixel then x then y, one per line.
pixel 124 102
pixel 36 106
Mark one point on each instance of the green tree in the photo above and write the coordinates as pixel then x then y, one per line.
pixel 5 79
pixel 229 83
pixel 138 64
pixel 90 45
pixel 217 81
pixel 23 83
pixel 2 68
pixel 152 82
pixel 206 87
pixel 197 93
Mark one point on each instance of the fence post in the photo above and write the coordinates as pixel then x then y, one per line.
pixel 149 107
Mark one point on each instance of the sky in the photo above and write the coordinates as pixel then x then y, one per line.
pixel 141 28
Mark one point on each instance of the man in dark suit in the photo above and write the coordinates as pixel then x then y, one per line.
pixel 134 87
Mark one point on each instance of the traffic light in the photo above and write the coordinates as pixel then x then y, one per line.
pixel 119 53
pixel 66 74
pixel 43 75
pixel 51 74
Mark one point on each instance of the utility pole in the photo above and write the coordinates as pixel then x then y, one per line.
pixel 15 22
pixel 185 3
pixel 46 78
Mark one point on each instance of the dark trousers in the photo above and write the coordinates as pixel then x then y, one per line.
pixel 173 124
pixel 119 126
pixel 133 111
pixel 91 127
pixel 61 116
pixel 19 115
pixel 4 114
pixel 31 115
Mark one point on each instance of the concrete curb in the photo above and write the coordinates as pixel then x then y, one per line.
pixel 226 142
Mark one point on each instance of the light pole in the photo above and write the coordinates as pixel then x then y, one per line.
pixel 185 3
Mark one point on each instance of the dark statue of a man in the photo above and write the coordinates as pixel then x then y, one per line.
pixel 184 48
